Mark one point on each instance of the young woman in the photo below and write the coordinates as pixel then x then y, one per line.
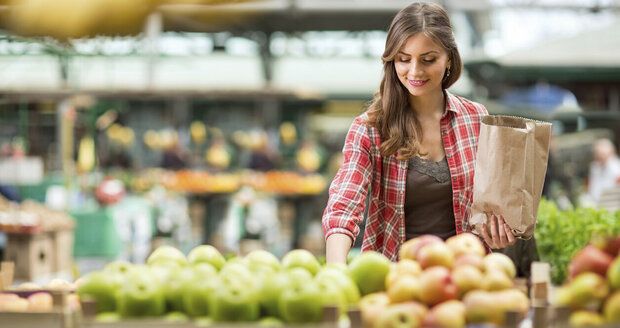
pixel 413 151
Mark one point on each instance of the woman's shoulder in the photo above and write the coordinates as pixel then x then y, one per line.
pixel 467 106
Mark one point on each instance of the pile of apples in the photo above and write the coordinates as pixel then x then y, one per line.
pixel 593 290
pixel 437 284
pixel 207 288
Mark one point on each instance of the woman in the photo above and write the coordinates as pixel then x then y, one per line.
pixel 413 150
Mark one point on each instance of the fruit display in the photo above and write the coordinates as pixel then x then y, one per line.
pixel 286 183
pixel 437 284
pixel 592 291
pixel 201 182
pixel 204 286
pixel 581 224
pixel 31 217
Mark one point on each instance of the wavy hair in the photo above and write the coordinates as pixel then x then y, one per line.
pixel 389 111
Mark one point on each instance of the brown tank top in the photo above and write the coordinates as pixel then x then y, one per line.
pixel 428 199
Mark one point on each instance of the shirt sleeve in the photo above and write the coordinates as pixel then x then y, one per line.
pixel 348 190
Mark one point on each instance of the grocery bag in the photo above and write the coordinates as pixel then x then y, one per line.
pixel 510 168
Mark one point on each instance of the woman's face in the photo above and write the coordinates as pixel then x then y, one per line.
pixel 421 64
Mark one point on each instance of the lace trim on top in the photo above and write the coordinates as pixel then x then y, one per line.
pixel 437 170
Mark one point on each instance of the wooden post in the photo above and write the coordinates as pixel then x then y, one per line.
pixel 355 317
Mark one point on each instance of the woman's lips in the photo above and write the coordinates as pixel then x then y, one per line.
pixel 417 83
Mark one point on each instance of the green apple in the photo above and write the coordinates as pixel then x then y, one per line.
pixel 302 303
pixel 371 306
pixel 588 288
pixel 206 254
pixel 301 258
pixel 271 288
pixel 270 322
pixel 175 287
pixel 402 315
pixel 332 295
pixel 234 271
pixel 299 276
pixel 101 287
pixel 343 280
pixel 611 310
pixel 369 270
pixel 197 295
pixel 204 270
pixel 613 273
pixel 585 319
pixel 119 267
pixel 141 295
pixel 168 256
pixel 261 260
pixel 404 289
pixel 204 322
pixel 235 301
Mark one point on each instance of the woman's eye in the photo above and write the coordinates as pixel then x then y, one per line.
pixel 403 59
pixel 429 60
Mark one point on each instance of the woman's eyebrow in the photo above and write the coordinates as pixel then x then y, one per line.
pixel 424 54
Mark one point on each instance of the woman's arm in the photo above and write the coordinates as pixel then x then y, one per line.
pixel 337 247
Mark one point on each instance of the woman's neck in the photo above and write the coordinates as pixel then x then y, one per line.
pixel 428 105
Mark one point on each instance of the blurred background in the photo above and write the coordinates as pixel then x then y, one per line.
pixel 125 125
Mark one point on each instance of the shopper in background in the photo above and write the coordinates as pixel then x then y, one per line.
pixel 174 158
pixel 414 147
pixel 604 169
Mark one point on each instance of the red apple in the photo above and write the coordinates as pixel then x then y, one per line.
pixel 470 259
pixel 467 278
pixel 410 248
pixel 436 254
pixel 500 261
pixel 405 288
pixel 437 286
pixel 401 268
pixel 447 314
pixel 403 315
pixel 371 306
pixel 465 243
pixel 590 259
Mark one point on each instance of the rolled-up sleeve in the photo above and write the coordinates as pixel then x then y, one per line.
pixel 348 190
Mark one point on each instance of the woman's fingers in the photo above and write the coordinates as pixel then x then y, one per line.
pixel 501 231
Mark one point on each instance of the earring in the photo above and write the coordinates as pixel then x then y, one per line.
pixel 448 73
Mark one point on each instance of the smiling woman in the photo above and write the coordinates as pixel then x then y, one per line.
pixel 413 151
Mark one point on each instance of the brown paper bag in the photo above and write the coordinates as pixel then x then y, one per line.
pixel 511 163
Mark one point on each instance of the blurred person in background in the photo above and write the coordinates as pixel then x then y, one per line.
pixel 604 169
pixel 174 158
pixel 261 157
pixel 414 148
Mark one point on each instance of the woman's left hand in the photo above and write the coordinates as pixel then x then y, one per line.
pixel 497 234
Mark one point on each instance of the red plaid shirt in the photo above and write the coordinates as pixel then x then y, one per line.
pixel 363 165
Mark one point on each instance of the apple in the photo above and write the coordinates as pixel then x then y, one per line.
pixel 301 258
pixel 512 300
pixel 590 259
pixel 270 290
pixel 467 278
pixel 101 287
pixel 585 319
pixel 299 276
pixel 369 270
pixel 261 260
pixel 40 302
pixel 481 307
pixel 471 260
pixel 608 244
pixel 500 261
pixel 206 254
pixel 167 256
pixel 406 288
pixel 562 296
pixel 302 303
pixel 140 295
pixel 344 282
pixel 447 314
pixel 496 279
pixel 8 300
pixel 338 266
pixel 465 243
pixel 371 307
pixel 332 295
pixel 175 287
pixel 118 267
pixel 437 286
pixel 404 315
pixel 17 305
pixel 236 271
pixel 588 288
pixel 196 297
pixel 611 309
pixel 204 270
pixel 410 248
pixel 613 273
pixel 235 301
pixel 270 322
pixel 436 254
pixel 401 268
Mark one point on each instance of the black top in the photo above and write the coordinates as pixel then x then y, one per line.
pixel 428 199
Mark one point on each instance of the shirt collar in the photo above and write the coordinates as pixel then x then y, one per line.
pixel 451 102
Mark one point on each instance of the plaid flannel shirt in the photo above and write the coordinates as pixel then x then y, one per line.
pixel 363 166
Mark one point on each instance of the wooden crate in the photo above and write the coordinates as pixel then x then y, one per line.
pixel 33 255
pixel 62 257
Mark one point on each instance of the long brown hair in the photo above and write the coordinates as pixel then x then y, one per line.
pixel 389 111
